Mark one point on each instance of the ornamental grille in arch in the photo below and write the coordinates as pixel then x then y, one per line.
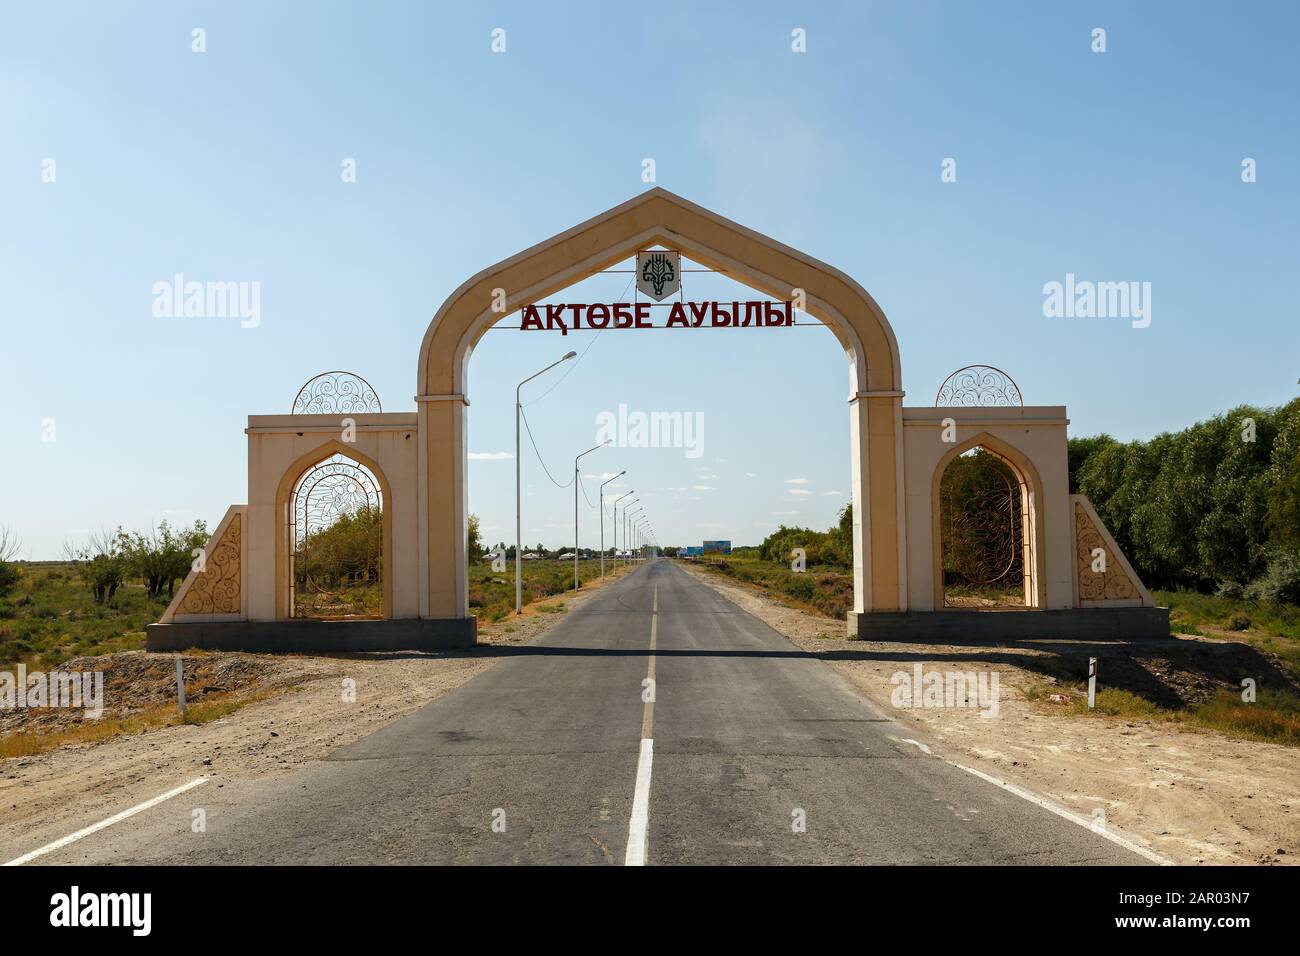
pixel 978 385
pixel 982 507
pixel 336 393
pixel 338 570
pixel 981 517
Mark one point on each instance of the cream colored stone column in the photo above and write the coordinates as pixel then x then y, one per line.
pixel 442 432
pixel 878 539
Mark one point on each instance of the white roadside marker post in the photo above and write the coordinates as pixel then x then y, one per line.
pixel 180 684
pixel 1092 682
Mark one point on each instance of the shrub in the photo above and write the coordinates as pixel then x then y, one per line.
pixel 9 575
pixel 1280 582
pixel 1230 589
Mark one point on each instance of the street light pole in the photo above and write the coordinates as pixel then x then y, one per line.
pixel 576 479
pixel 627 528
pixel 519 544
pixel 628 505
pixel 626 510
pixel 602 519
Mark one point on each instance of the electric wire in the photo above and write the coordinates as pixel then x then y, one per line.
pixel 533 442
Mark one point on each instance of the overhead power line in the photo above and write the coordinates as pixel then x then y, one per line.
pixel 532 441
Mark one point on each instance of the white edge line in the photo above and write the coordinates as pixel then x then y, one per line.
pixel 1066 814
pixel 638 826
pixel 915 743
pixel 116 818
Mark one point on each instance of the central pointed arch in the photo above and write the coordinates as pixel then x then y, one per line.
pixel 658 217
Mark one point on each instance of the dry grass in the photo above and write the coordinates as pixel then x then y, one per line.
pixel 213 707
pixel 1274 717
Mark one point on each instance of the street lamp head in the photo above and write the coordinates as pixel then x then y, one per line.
pixel 569 355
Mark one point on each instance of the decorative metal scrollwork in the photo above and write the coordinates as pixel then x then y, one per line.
pixel 982 524
pixel 336 393
pixel 977 386
pixel 337 541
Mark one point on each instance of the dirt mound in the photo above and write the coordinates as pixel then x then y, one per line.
pixel 1181 672
pixel 136 681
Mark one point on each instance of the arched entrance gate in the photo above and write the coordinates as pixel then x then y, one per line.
pixel 896 455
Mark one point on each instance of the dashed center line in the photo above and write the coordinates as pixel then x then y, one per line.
pixel 638 828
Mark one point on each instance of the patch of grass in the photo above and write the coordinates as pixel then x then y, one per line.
pixel 214 707
pixel 822 589
pixel 1113 702
pixel 1273 718
pixel 1271 628
pixel 217 706
pixel 492 593
pixel 1041 691
pixel 51 616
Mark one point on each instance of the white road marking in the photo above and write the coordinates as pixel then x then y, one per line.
pixel 96 827
pixel 638 828
pixel 915 743
pixel 1065 814
pixel 638 837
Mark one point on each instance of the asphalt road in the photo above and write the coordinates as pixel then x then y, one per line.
pixel 543 759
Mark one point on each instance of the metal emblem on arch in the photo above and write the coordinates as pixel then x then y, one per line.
pixel 659 273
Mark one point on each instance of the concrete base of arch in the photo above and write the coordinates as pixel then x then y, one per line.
pixel 957 626
pixel 315 637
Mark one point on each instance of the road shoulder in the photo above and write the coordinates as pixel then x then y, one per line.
pixel 1196 796
pixel 315 705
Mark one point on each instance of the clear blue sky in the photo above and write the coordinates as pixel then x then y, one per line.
pixel 226 166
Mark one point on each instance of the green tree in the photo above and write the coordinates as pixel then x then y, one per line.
pixel 833 547
pixel 1284 478
pixel 9 546
pixel 100 564
pixel 161 556
pixel 348 551
pixel 1078 453
pixel 474 547
pixel 1209 505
